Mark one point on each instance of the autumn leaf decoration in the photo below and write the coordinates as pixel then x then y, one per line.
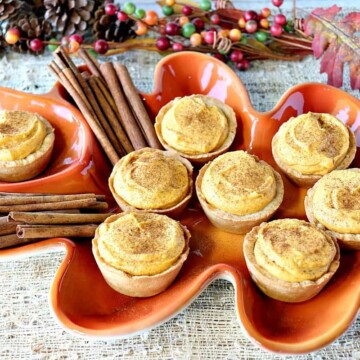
pixel 336 42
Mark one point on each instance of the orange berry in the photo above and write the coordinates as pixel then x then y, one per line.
pixel 73 46
pixel 183 20
pixel 264 23
pixel 203 33
pixel 242 23
pixel 141 28
pixel 195 39
pixel 170 2
pixel 12 36
pixel 151 17
pixel 224 32
pixel 265 12
pixel 235 35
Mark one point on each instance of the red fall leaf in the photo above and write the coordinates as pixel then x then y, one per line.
pixel 336 42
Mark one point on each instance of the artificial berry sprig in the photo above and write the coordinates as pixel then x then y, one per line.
pixel 229 34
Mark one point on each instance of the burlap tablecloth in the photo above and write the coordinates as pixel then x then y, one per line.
pixel 208 328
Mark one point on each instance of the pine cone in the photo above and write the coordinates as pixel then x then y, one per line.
pixel 3 45
pixel 8 8
pixel 69 16
pixel 30 27
pixel 109 28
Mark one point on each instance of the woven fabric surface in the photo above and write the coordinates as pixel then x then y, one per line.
pixel 208 328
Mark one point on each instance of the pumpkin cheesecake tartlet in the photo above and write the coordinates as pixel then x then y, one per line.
pixel 26 144
pixel 289 259
pixel 198 127
pixel 238 191
pixel 333 204
pixel 311 145
pixel 140 254
pixel 152 180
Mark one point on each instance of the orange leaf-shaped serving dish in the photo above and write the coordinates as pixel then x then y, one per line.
pixel 77 163
pixel 85 304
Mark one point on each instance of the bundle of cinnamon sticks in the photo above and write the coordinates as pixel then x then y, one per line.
pixel 30 217
pixel 109 101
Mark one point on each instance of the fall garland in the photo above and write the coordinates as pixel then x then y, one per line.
pixel 217 28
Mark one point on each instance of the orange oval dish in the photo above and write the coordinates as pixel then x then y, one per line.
pixel 98 311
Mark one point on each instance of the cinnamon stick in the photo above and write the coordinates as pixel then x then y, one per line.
pixel 98 206
pixel 104 121
pixel 36 199
pixel 99 197
pixel 3 220
pixel 91 63
pixel 111 117
pixel 93 103
pixel 10 240
pixel 8 228
pixel 51 231
pixel 104 89
pixel 45 218
pixel 128 121
pixel 138 107
pixel 89 116
pixel 71 204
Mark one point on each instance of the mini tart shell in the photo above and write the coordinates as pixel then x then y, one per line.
pixel 172 211
pixel 305 180
pixel 280 289
pixel 239 224
pixel 144 285
pixel 33 164
pixel 346 241
pixel 201 158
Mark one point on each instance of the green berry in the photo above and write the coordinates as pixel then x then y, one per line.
pixel 53 47
pixel 129 8
pixel 244 40
pixel 222 52
pixel 188 29
pixel 261 36
pixel 140 13
pixel 167 10
pixel 93 53
pixel 289 27
pixel 205 5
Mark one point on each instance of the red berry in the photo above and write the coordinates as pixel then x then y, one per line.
pixel 209 37
pixel 162 43
pixel 186 10
pixel 280 19
pixel 77 38
pixel 36 45
pixel 243 65
pixel 251 26
pixel 110 9
pixel 215 19
pixel 101 47
pixel 178 47
pixel 250 15
pixel 276 30
pixel 277 3
pixel 236 56
pixel 122 16
pixel 172 29
pixel 199 24
pixel 220 57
